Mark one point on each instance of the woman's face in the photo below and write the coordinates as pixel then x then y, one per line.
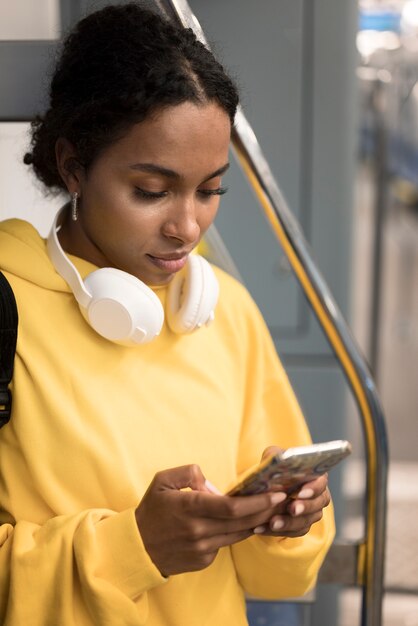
pixel 148 199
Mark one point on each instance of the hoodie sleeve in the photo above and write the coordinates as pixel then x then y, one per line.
pixel 96 556
pixel 88 565
pixel 272 567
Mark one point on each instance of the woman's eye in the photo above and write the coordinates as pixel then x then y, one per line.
pixel 149 195
pixel 213 192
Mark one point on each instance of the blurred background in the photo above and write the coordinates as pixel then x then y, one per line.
pixel 330 89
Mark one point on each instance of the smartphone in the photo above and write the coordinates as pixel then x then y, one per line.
pixel 288 470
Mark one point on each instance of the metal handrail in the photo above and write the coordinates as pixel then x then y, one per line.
pixel 371 549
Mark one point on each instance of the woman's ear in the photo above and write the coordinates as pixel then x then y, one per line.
pixel 70 169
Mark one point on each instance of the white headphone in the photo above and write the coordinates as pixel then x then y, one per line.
pixel 121 308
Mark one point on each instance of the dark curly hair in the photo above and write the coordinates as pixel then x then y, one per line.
pixel 117 66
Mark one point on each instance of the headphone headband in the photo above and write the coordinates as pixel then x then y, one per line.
pixel 64 266
pixel 123 309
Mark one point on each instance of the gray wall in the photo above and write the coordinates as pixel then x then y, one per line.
pixel 294 61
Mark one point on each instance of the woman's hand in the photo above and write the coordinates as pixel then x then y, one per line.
pixel 296 515
pixel 183 523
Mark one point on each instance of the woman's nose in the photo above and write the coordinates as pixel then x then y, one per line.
pixel 182 223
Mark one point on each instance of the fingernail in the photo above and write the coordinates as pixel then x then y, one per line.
pixel 258 530
pixel 277 525
pixel 212 488
pixel 306 493
pixel 277 497
pixel 299 508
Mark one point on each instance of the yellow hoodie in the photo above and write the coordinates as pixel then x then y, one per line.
pixel 93 422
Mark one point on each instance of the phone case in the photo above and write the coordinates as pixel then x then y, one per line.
pixel 288 470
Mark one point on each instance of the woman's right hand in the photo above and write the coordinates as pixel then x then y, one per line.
pixel 183 524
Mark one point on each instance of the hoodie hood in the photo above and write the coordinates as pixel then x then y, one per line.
pixel 23 254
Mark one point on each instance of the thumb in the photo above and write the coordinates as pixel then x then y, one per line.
pixel 270 451
pixel 183 477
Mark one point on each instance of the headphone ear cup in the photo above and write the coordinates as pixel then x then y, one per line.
pixel 122 308
pixel 192 296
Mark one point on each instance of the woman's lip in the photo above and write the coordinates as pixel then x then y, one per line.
pixel 168 265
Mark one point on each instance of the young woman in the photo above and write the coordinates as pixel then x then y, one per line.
pixel 132 413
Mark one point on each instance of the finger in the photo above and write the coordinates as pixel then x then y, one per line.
pixel 308 506
pixel 211 527
pixel 287 526
pixel 197 525
pixel 312 488
pixel 183 477
pixel 271 451
pixel 232 508
pixel 208 545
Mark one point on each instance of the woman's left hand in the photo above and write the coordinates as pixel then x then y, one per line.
pixel 296 515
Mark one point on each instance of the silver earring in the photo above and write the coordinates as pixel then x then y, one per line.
pixel 74 202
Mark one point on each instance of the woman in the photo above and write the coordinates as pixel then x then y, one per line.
pixel 122 427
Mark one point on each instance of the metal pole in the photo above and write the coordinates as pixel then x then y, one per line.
pixel 380 211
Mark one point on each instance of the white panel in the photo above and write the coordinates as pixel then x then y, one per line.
pixel 21 195
pixel 21 19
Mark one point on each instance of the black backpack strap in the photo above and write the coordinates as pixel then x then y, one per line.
pixel 8 337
